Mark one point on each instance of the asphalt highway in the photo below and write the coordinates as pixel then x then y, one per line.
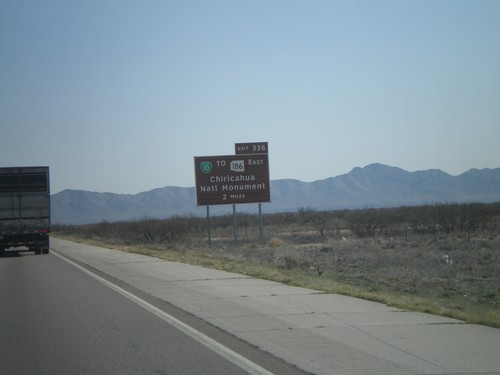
pixel 56 318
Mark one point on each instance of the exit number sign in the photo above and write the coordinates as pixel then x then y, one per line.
pixel 251 148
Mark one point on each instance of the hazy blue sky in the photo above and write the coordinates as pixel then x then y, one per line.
pixel 118 95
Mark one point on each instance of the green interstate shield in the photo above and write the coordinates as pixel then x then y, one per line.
pixel 206 167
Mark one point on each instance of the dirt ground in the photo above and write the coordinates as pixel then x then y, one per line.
pixel 452 271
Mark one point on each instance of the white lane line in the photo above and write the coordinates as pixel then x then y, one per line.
pixel 235 358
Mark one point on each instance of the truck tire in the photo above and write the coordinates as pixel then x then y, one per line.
pixel 38 251
pixel 45 250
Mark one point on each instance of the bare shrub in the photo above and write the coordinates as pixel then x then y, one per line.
pixel 367 223
pixel 145 230
pixel 276 242
pixel 291 262
pixel 452 218
pixel 173 230
pixel 306 214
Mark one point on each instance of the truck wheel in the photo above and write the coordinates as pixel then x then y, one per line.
pixel 45 250
pixel 38 251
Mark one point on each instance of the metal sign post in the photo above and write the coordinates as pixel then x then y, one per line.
pixel 209 227
pixel 235 228
pixel 261 230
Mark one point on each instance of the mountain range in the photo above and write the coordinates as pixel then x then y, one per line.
pixel 375 185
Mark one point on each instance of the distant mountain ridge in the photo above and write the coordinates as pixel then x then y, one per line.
pixel 375 185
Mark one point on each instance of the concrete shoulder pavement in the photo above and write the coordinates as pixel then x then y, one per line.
pixel 320 333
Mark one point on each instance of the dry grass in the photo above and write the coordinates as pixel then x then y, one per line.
pixel 452 275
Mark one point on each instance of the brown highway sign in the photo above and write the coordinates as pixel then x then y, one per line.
pixel 232 179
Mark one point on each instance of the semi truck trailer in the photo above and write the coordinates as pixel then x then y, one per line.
pixel 25 208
